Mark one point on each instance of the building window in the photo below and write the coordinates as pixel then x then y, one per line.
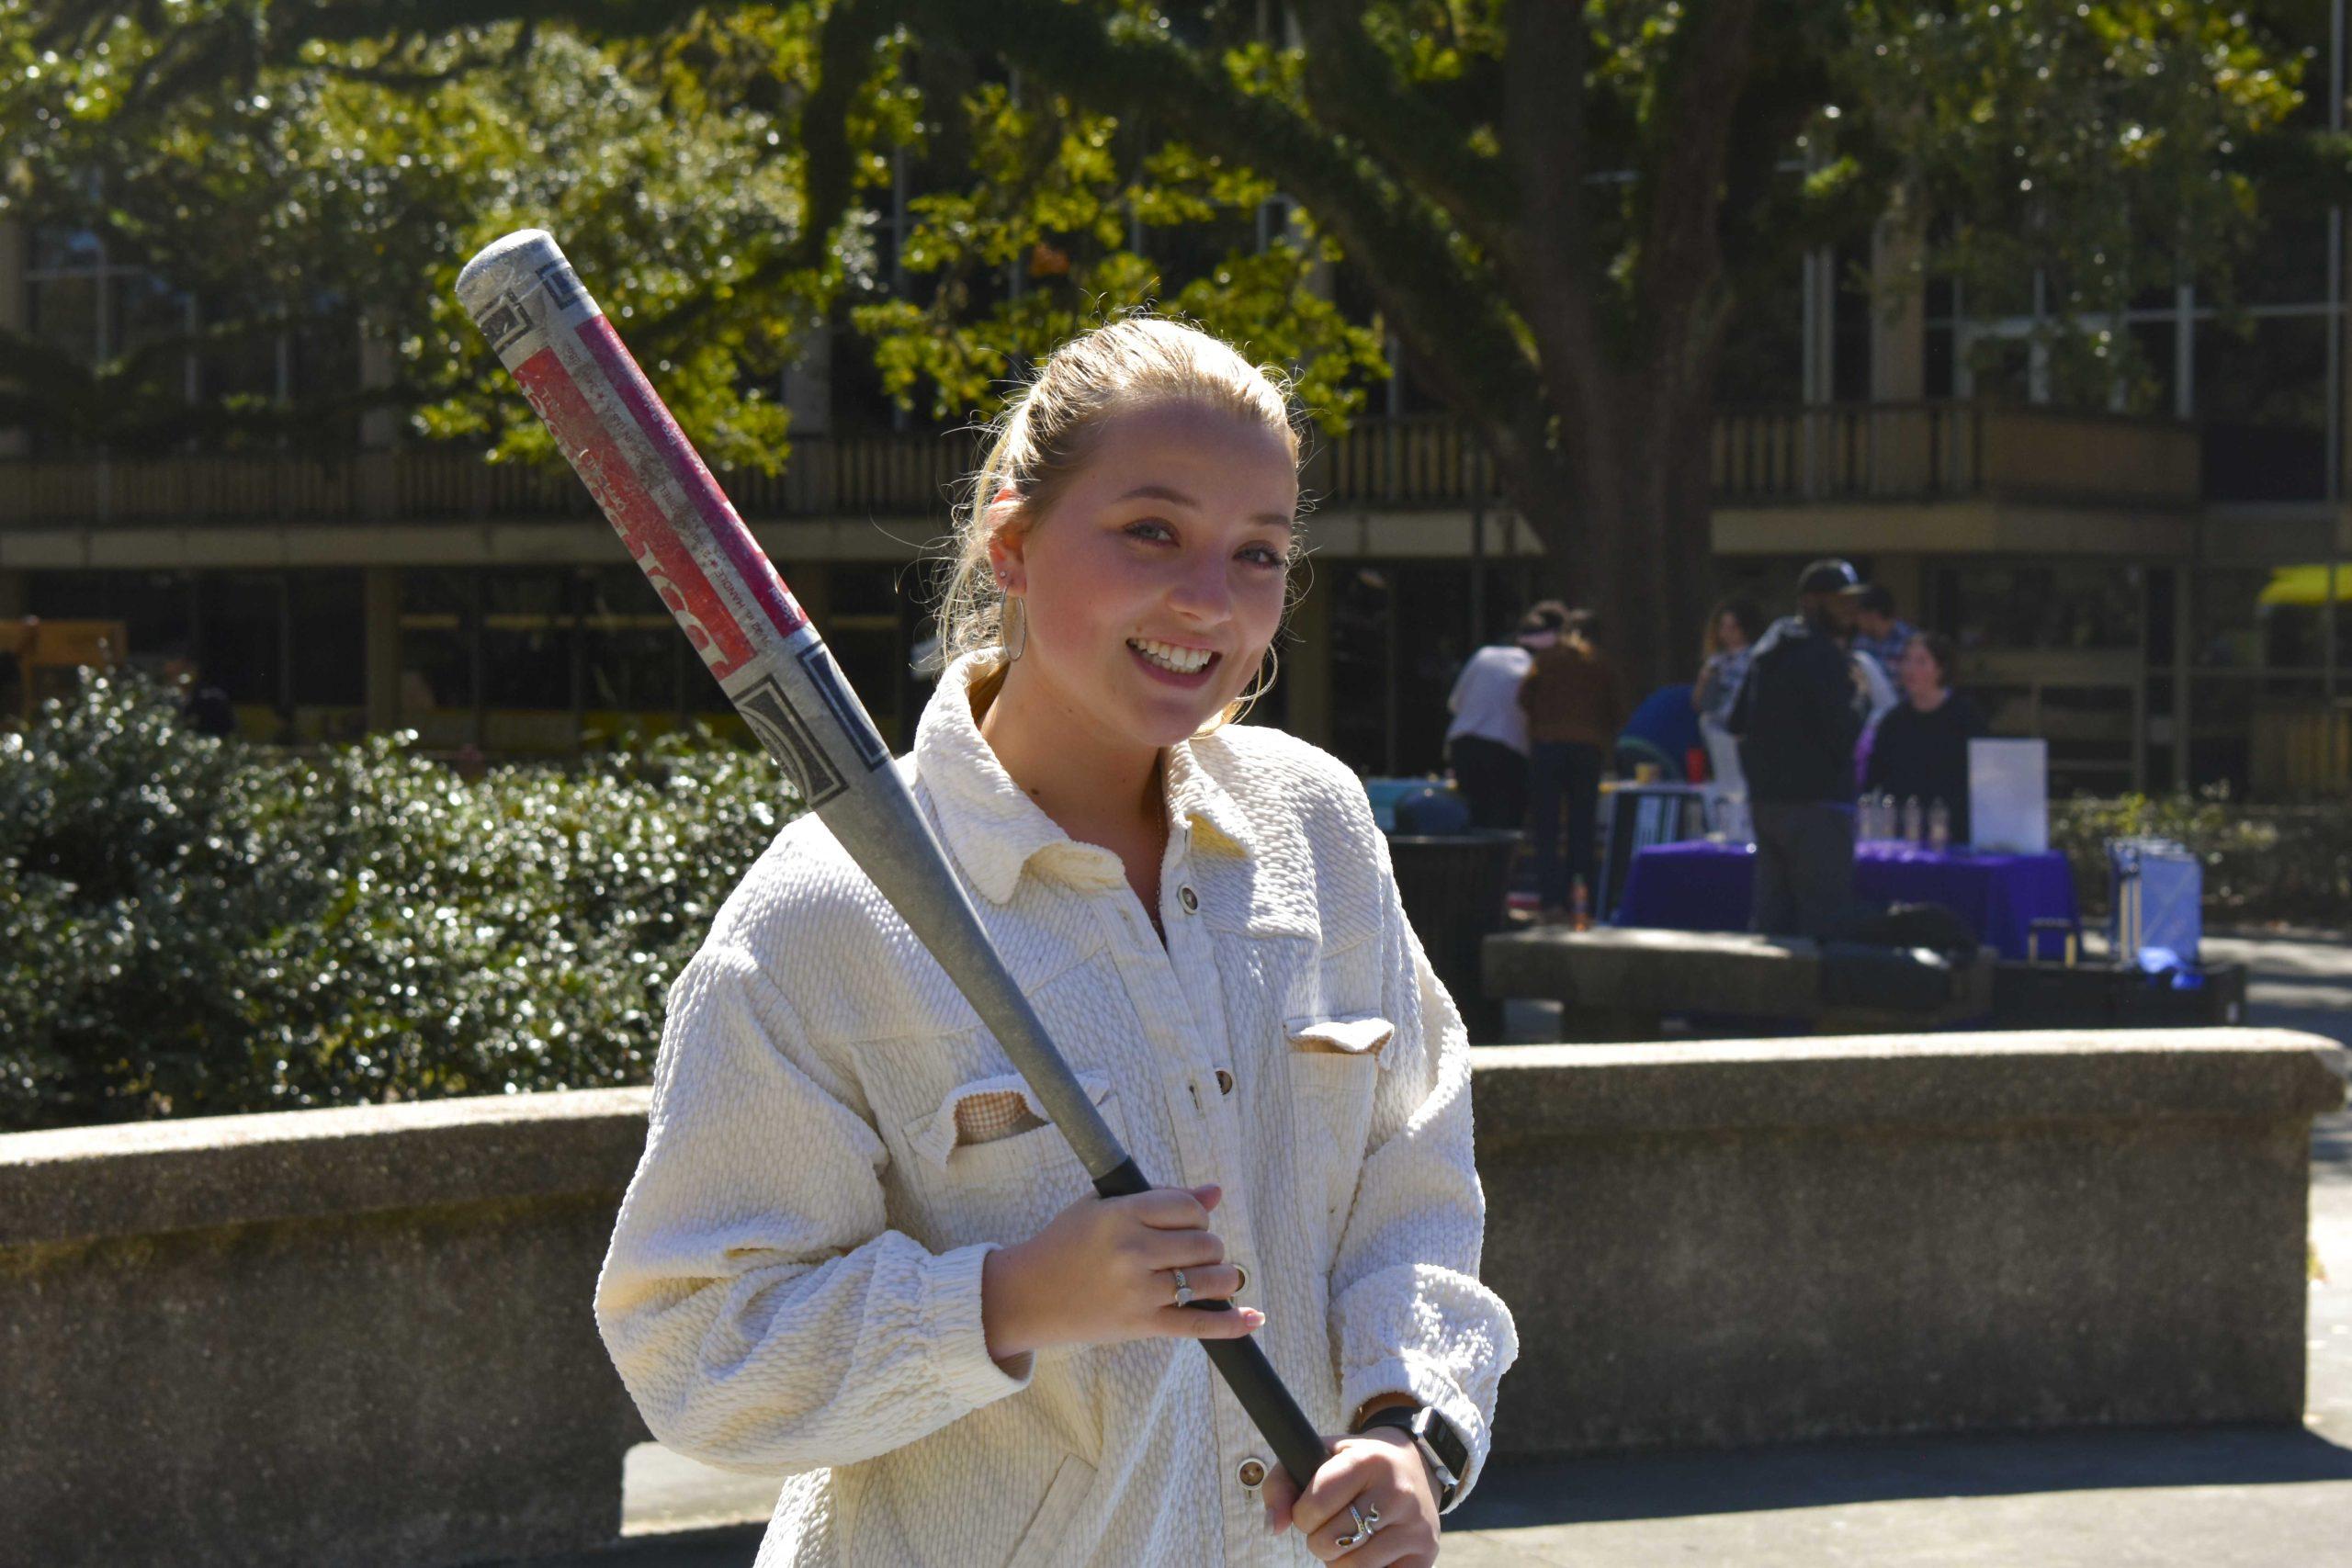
pixel 438 610
pixel 2262 403
pixel 1995 606
pixel 327 615
pixel 872 626
pixel 630 655
pixel 1400 633
pixel 526 633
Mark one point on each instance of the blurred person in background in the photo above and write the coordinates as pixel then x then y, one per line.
pixel 1732 632
pixel 1878 630
pixel 1798 716
pixel 1921 746
pixel 1487 741
pixel 1575 705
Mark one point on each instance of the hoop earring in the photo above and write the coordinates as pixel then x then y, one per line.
pixel 1238 708
pixel 1013 631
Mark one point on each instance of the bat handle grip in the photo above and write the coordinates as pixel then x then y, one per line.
pixel 1297 1445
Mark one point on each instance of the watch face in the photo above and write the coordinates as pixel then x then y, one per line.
pixel 1440 1436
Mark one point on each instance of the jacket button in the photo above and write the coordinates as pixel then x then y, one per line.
pixel 1250 1472
pixel 1224 1081
pixel 1244 1273
pixel 1189 899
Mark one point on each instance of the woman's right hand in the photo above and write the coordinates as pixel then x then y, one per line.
pixel 1101 1271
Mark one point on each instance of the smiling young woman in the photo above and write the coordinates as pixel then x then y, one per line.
pixel 1147 593
pixel 854 1253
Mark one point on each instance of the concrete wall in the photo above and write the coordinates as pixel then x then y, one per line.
pixel 363 1337
pixel 324 1337
pixel 1752 1242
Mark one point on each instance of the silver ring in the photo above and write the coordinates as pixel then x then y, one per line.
pixel 1183 1291
pixel 1367 1520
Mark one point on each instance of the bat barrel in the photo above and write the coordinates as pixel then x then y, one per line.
pixel 678 526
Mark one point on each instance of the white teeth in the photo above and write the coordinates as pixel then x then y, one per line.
pixel 1183 661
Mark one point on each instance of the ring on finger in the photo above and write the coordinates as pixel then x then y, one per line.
pixel 1367 1520
pixel 1183 1291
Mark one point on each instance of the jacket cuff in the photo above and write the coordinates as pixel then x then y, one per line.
pixel 1428 1382
pixel 952 1322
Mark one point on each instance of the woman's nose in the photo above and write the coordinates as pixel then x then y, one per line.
pixel 1201 588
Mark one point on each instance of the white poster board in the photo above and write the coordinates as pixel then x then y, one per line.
pixel 2009 795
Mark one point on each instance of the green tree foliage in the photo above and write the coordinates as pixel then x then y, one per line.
pixel 321 167
pixel 338 193
pixel 189 926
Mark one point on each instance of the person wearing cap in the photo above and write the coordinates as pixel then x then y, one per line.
pixel 1798 716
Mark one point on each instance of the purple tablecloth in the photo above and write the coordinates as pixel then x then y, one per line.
pixel 1704 887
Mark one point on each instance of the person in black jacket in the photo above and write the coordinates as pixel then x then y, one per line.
pixel 1920 749
pixel 1798 716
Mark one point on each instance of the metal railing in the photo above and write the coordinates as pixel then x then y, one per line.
pixel 1919 452
pixel 1787 455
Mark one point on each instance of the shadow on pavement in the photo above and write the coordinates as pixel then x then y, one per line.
pixel 722 1546
pixel 1682 1485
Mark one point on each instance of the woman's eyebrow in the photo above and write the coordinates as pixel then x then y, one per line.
pixel 1159 493
pixel 1178 498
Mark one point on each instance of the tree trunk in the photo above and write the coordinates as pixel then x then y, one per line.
pixel 1624 518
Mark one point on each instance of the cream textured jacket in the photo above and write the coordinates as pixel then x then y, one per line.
pixel 794 1282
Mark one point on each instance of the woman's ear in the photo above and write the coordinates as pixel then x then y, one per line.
pixel 1008 540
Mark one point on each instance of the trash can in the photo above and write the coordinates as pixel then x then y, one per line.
pixel 1454 887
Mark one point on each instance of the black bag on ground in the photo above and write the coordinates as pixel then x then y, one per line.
pixel 1904 959
pixel 1934 927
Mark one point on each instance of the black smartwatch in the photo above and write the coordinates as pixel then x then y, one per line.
pixel 1442 1447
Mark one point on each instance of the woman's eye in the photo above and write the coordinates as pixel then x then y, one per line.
pixel 1149 529
pixel 1265 555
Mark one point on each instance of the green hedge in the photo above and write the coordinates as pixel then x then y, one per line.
pixel 2288 863
pixel 194 927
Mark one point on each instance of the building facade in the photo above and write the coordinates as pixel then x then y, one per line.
pixel 2160 597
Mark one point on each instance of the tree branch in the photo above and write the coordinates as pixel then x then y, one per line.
pixel 1439 298
pixel 1355 88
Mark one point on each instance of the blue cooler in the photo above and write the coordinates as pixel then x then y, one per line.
pixel 2159 891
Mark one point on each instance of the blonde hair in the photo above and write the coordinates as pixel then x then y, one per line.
pixel 1046 432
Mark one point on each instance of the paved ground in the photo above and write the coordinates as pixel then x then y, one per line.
pixel 2210 1498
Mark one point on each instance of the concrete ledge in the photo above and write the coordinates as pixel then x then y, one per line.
pixel 363 1337
pixel 86 1183
pixel 1745 1243
pixel 1546 1093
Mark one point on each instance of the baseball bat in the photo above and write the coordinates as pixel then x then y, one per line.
pixel 685 536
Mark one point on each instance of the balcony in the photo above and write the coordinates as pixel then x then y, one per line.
pixel 1839 454
pixel 1925 452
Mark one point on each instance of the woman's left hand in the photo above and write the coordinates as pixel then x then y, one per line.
pixel 1380 1468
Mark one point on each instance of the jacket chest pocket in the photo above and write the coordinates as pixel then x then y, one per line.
pixel 1334 1063
pixel 984 1164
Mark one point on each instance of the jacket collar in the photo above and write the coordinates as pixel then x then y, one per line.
pixel 994 830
